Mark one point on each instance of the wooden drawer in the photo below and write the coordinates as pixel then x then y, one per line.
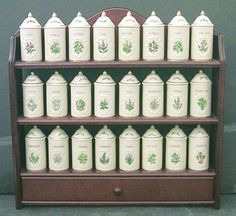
pixel 117 189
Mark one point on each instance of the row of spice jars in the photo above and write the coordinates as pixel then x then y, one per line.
pixel 153 39
pixel 129 96
pixel 129 150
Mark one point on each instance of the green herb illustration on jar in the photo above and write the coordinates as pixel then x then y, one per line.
pixel 152 158
pixel 103 104
pixel 203 46
pixel 78 47
pixel 55 48
pixel 102 47
pixel 129 159
pixel 57 158
pixel 127 47
pixel 30 48
pixel 31 105
pixel 200 157
pixel 153 47
pixel 202 103
pixel 33 158
pixel 154 104
pixel 80 105
pixel 56 104
pixel 129 105
pixel 178 47
pixel 83 158
pixel 175 158
pixel 177 103
pixel 104 159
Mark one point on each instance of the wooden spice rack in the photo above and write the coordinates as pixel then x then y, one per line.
pixel 117 188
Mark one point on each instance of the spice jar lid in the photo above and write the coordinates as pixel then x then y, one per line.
pixel 80 79
pixel 128 21
pixel 198 132
pixel 56 78
pixel 202 20
pixel 129 78
pixel 104 21
pixel 153 78
pixel 153 20
pixel 30 22
pixel 79 22
pixel 129 133
pixel 32 79
pixel 58 133
pixel 179 20
pixel 105 133
pixel 82 133
pixel 152 133
pixel 177 77
pixel 35 133
pixel 176 133
pixel 201 77
pixel 54 22
pixel 105 78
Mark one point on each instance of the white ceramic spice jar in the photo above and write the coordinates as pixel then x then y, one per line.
pixel 129 88
pixel 55 39
pixel 79 39
pixel 177 95
pixel 202 38
pixel 129 146
pixel 152 150
pixel 153 38
pixel 153 95
pixel 82 157
pixel 31 39
pixel 176 147
pixel 178 38
pixel 80 88
pixel 104 96
pixel 198 150
pixel 33 103
pixel 35 150
pixel 58 150
pixel 56 96
pixel 103 39
pixel 129 38
pixel 105 150
pixel 200 95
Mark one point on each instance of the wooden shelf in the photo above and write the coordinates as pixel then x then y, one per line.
pixel 115 120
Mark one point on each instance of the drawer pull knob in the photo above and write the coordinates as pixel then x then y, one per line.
pixel 118 191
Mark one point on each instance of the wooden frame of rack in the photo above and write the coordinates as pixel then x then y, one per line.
pixel 117 188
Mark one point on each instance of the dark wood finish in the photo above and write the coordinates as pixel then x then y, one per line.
pixel 117 188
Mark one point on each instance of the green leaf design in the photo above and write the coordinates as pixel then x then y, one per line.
pixel 129 159
pixel 104 159
pixel 80 105
pixel 129 105
pixel 56 103
pixel 127 47
pixel 31 105
pixel 200 157
pixel 83 158
pixel 154 104
pixel 57 158
pixel 153 47
pixel 78 47
pixel 202 102
pixel 178 47
pixel 33 158
pixel 30 48
pixel 103 105
pixel 102 47
pixel 203 46
pixel 152 158
pixel 55 48
pixel 175 158
pixel 177 104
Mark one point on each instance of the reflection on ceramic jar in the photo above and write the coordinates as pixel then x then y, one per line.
pixel 105 150
pixel 152 150
pixel 202 38
pixel 80 96
pixel 153 94
pixel 178 38
pixel 129 146
pixel 82 157
pixel 103 39
pixel 35 150
pixel 176 147
pixel 129 38
pixel 177 95
pixel 31 39
pixel 198 151
pixel 33 103
pixel 200 95
pixel 153 38
pixel 79 39
pixel 129 96
pixel 104 96
pixel 55 39
pixel 56 96
pixel 58 150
